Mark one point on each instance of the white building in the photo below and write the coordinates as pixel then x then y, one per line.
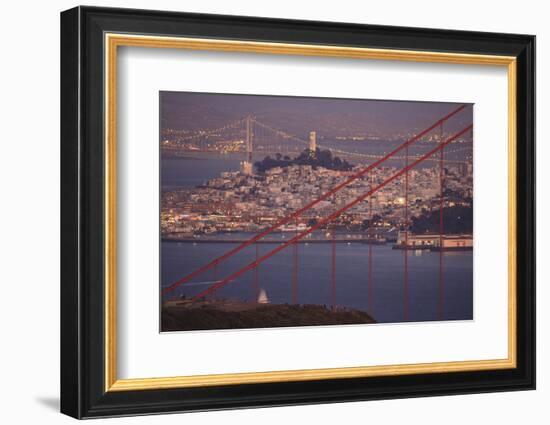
pixel 312 141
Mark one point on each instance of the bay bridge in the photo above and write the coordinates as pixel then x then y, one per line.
pixel 251 136
pixel 252 266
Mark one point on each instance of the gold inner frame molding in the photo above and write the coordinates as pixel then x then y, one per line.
pixel 112 41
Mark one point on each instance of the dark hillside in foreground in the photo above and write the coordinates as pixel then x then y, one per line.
pixel 219 315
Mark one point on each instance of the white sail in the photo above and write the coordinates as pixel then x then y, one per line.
pixel 262 297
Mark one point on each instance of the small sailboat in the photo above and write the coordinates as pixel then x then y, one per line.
pixel 262 297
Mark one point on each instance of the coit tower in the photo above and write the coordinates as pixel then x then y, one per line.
pixel 312 141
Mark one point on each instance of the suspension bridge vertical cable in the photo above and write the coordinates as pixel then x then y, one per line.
pixel 256 275
pixel 370 241
pixel 441 241
pixel 406 247
pixel 333 258
pixel 295 268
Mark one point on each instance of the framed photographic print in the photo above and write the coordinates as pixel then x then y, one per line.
pixel 261 212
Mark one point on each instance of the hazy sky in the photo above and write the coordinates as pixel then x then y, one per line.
pixel 192 111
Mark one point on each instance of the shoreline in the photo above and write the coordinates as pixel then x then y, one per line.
pixel 273 241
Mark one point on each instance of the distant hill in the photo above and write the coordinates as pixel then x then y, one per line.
pixel 319 158
pixel 456 220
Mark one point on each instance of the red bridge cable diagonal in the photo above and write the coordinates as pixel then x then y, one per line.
pixel 329 218
pixel 299 212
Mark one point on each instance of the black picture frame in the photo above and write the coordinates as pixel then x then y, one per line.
pixel 83 392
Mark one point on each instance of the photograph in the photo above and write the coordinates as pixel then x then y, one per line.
pixel 288 211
